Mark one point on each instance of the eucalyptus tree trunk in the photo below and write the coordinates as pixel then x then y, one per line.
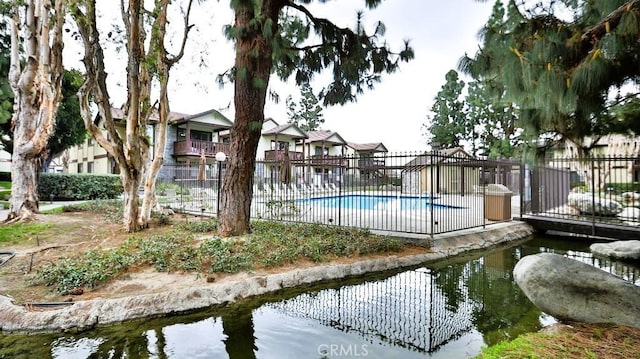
pixel 164 64
pixel 146 60
pixel 36 85
pixel 253 66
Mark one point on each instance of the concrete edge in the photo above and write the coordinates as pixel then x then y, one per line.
pixel 84 315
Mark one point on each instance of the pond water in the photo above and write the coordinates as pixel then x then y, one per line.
pixel 449 309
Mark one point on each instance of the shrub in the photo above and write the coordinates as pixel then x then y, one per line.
pixel 66 186
pixel 621 187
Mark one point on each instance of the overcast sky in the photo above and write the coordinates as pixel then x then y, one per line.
pixel 440 32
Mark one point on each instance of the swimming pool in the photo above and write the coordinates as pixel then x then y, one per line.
pixel 376 202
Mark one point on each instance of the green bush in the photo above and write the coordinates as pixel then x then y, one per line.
pixel 621 187
pixel 66 186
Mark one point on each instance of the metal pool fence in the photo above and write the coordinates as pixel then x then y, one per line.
pixel 598 190
pixel 424 193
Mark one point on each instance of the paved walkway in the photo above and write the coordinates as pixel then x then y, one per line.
pixel 44 206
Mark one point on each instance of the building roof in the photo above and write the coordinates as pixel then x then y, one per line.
pixel 325 136
pixel 438 157
pixel 118 114
pixel 288 129
pixel 219 120
pixel 368 147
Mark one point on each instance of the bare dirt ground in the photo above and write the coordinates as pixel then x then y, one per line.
pixel 74 233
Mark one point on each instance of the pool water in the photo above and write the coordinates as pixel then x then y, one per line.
pixel 372 202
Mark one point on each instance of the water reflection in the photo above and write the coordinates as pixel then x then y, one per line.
pixel 447 309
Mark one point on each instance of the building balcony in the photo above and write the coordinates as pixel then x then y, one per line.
pixel 370 163
pixel 328 161
pixel 195 147
pixel 276 155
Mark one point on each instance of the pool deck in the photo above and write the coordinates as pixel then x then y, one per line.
pixel 387 218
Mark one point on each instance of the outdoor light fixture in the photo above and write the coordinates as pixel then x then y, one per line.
pixel 220 157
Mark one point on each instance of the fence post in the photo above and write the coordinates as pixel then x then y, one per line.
pixel 431 200
pixel 593 197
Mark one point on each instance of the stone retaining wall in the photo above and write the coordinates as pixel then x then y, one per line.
pixel 84 315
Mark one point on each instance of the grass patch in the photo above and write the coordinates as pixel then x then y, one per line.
pixel 578 341
pixel 17 232
pixel 271 244
pixel 5 184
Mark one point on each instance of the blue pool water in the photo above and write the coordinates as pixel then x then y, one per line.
pixel 373 202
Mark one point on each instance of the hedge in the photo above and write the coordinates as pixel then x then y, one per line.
pixel 619 188
pixel 65 186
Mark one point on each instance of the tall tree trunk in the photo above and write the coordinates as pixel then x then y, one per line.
pixel 131 150
pixel 24 187
pixel 253 66
pixel 131 184
pixel 37 91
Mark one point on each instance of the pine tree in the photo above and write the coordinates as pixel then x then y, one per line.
pixel 560 73
pixel 286 38
pixel 307 114
pixel 447 127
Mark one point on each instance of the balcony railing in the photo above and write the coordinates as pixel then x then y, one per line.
pixel 194 147
pixel 276 155
pixel 369 163
pixel 326 160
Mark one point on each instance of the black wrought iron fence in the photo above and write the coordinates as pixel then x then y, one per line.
pixel 426 193
pixel 601 189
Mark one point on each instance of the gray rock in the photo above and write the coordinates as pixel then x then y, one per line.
pixel 586 203
pixel 571 290
pixel 618 249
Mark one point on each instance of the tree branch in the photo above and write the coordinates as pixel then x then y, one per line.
pixel 592 35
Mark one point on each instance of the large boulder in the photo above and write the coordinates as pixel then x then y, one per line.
pixel 618 249
pixel 587 203
pixel 630 216
pixel 571 290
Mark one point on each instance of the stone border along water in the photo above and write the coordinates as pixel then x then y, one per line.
pixel 84 315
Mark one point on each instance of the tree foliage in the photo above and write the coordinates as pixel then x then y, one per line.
pixel 307 114
pixel 560 72
pixel 477 119
pixel 69 129
pixel 286 38
pixel 6 95
pixel 448 126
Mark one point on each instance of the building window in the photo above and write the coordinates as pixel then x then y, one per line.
pixel 90 141
pixel 321 151
pixel 281 145
pixel 90 167
pixel 194 135
pixel 79 167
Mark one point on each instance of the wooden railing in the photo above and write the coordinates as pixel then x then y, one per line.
pixel 194 147
pixel 276 155
pixel 326 160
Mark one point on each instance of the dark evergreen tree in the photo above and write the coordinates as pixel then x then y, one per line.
pixel 70 130
pixel 448 126
pixel 285 37
pixel 559 72
pixel 307 114
pixel 495 122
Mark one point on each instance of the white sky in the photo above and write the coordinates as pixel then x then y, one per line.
pixel 440 32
